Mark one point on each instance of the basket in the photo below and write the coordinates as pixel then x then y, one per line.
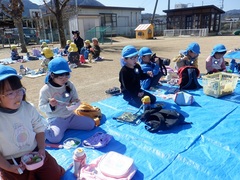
pixel 219 84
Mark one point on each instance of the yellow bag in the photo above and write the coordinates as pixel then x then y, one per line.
pixel 93 112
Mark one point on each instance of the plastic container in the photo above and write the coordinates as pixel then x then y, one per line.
pixel 79 160
pixel 73 106
pixel 32 161
pixel 71 143
pixel 219 84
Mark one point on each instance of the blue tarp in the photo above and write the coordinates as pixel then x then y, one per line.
pixel 233 55
pixel 206 149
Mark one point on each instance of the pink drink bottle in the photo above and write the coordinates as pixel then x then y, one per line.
pixel 79 160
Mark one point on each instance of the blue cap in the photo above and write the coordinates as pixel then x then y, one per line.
pixel 218 48
pixel 144 51
pixel 194 47
pixel 58 65
pixel 129 51
pixel 7 71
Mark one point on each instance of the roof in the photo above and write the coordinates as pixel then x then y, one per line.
pixel 111 8
pixel 143 27
pixel 195 8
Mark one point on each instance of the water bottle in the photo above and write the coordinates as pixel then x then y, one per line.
pixel 79 160
pixel 146 102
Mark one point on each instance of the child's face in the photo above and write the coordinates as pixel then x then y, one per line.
pixel 218 55
pixel 131 61
pixel 95 42
pixel 11 99
pixel 192 54
pixel 146 58
pixel 61 79
pixel 87 44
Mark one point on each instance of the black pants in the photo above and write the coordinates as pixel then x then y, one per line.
pixel 136 101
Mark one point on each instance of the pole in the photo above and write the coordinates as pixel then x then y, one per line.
pixel 50 26
pixel 76 9
pixel 152 20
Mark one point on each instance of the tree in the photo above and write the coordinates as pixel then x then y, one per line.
pixel 15 10
pixel 57 10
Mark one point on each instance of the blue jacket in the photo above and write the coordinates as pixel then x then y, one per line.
pixel 148 67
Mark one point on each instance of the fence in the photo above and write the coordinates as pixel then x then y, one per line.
pixel 103 33
pixel 185 32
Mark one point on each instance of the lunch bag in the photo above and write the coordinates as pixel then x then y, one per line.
pixel 110 166
pixel 93 112
pixel 188 78
pixel 98 140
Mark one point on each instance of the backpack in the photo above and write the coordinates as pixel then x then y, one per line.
pixel 110 166
pixel 162 119
pixel 93 112
pixel 188 78
pixel 98 140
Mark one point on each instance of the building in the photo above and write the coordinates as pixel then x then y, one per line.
pixel 93 21
pixel 199 17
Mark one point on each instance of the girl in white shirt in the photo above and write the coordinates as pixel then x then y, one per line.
pixel 215 62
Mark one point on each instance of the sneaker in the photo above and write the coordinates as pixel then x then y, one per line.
pixel 73 66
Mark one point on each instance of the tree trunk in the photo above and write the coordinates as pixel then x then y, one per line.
pixel 19 25
pixel 61 30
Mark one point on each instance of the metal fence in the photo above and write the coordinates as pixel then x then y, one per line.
pixel 185 32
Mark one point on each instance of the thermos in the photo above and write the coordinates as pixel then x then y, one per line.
pixel 79 160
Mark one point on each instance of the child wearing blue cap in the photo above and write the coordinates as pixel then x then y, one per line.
pixel 147 65
pixel 22 132
pixel 215 62
pixel 188 57
pixel 130 76
pixel 56 96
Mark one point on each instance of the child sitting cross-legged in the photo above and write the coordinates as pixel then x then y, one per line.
pixel 73 56
pixel 148 65
pixel 130 76
pixel 215 62
pixel 48 56
pixel 86 49
pixel 14 53
pixel 95 50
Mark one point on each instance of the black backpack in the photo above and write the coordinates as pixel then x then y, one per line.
pixel 162 119
pixel 188 78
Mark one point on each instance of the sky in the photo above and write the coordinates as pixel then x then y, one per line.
pixel 163 4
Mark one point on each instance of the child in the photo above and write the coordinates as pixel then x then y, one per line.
pixel 215 62
pixel 95 50
pixel 22 132
pixel 73 56
pixel 188 57
pixel 14 53
pixel 44 44
pixel 77 40
pixel 55 95
pixel 130 76
pixel 147 65
pixel 65 52
pixel 48 54
pixel 86 49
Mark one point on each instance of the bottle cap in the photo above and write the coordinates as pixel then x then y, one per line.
pixel 79 152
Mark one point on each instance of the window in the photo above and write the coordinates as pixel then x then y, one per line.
pixel 109 20
pixel 189 22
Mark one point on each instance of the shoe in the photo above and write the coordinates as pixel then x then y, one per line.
pixel 113 91
pixel 73 66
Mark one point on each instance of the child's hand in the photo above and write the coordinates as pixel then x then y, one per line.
pixel 53 102
pixel 14 168
pixel 150 73
pixel 91 49
pixel 41 152
pixel 185 58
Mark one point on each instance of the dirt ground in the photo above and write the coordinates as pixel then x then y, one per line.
pixel 91 80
